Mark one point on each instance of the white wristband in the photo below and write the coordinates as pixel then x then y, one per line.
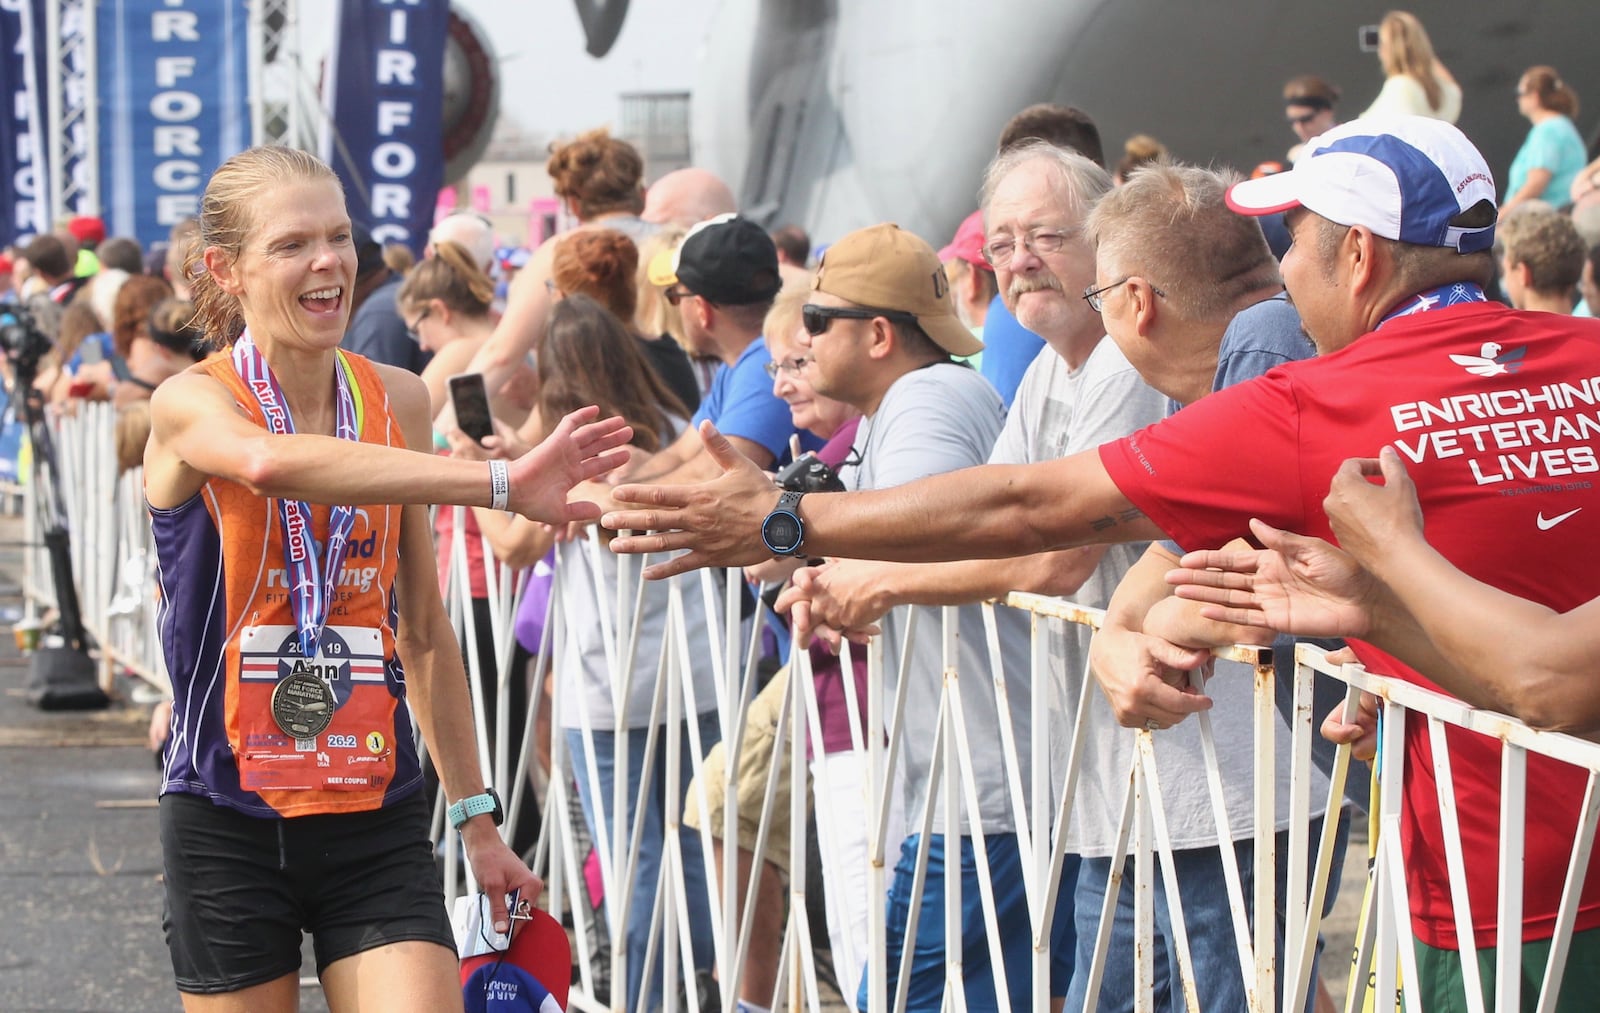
pixel 499 485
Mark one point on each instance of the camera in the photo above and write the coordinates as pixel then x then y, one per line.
pixel 1367 38
pixel 20 339
pixel 807 473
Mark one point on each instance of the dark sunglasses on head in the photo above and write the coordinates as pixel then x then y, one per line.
pixel 817 318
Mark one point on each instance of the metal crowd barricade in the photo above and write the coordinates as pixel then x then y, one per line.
pixel 1385 950
pixel 113 557
pixel 113 564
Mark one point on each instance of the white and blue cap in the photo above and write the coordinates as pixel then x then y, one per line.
pixel 1405 178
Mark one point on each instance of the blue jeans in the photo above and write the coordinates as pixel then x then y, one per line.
pixel 653 815
pixel 1207 917
pixel 926 988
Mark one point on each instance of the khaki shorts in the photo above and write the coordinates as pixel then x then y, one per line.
pixel 750 779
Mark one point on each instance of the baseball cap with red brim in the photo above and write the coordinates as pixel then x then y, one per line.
pixel 532 975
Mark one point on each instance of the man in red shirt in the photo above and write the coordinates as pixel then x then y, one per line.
pixel 1495 412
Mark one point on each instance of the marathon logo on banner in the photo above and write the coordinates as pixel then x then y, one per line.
pixel 386 92
pixel 174 104
pixel 24 207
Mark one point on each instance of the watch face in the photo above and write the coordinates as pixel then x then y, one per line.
pixel 781 532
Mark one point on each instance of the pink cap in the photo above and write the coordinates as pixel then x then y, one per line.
pixel 968 243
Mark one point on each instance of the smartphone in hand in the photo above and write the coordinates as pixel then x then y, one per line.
pixel 470 398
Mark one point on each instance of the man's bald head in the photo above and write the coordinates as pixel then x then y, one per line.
pixel 687 197
pixel 468 230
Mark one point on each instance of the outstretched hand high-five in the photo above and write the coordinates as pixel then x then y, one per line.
pixel 718 521
pixel 579 449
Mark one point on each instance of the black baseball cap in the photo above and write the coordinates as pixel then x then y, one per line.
pixel 726 260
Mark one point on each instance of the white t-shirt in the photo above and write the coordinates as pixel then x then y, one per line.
pixel 597 624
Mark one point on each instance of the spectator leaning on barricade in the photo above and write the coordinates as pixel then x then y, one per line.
pixel 723 278
pixel 841 817
pixel 1192 295
pixel 445 303
pixel 376 329
pixel 1077 393
pixel 1399 319
pixel 882 335
pixel 1543 259
pixel 1008 347
pixel 589 357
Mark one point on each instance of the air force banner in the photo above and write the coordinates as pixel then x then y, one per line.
pixel 386 95
pixel 23 210
pixel 174 104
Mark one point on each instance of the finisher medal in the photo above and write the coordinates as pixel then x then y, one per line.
pixel 303 705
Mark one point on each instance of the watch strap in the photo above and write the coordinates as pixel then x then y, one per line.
pixel 789 503
pixel 473 805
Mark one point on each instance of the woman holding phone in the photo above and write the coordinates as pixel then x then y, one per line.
pixel 589 356
pixel 292 535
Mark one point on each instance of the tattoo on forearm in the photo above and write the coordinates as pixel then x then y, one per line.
pixel 1124 517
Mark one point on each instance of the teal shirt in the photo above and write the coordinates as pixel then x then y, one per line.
pixel 1553 145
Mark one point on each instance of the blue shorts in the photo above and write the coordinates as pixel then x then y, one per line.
pixel 926 986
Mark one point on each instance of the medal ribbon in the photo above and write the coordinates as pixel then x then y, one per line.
pixel 1439 298
pixel 310 592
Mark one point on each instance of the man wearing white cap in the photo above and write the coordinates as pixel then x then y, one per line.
pixel 1492 409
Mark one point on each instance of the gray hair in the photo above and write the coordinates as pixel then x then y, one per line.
pixel 1170 224
pixel 1082 181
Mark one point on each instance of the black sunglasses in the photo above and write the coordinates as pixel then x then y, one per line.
pixel 817 318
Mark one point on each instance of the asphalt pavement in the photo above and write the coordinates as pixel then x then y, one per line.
pixel 80 857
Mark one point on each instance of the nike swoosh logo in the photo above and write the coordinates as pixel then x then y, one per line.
pixel 1546 525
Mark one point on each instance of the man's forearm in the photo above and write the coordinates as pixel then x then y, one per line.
pixel 987 512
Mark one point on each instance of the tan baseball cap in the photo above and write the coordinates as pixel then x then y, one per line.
pixel 887 268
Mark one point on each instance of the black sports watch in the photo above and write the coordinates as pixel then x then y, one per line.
pixel 782 531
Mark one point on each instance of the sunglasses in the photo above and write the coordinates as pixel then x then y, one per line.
pixel 676 295
pixel 1305 118
pixel 817 319
pixel 411 328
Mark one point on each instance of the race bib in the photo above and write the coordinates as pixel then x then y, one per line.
pixel 319 723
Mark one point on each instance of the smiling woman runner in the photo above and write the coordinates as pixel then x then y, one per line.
pixel 275 474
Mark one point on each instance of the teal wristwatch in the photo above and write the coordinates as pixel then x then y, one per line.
pixel 476 805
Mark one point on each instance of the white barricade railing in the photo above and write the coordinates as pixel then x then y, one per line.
pixel 1385 949
pixel 113 558
pixel 112 562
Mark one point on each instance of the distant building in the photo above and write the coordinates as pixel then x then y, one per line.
pixel 657 123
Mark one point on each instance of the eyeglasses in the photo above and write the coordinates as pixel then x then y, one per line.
pixel 817 319
pixel 1304 118
pixel 675 295
pixel 411 328
pixel 998 252
pixel 1092 295
pixel 792 366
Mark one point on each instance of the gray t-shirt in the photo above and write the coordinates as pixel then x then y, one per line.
pixel 932 420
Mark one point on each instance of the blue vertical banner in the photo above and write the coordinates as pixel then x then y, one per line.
pixel 24 179
pixel 174 104
pixel 385 89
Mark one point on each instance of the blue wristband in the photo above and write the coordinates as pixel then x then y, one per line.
pixel 475 805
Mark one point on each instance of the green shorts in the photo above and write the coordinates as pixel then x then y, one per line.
pixel 1439 975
